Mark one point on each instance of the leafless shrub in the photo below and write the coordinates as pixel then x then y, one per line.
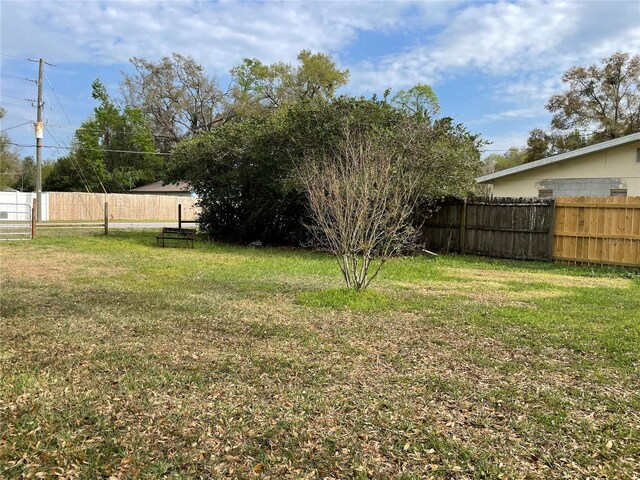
pixel 361 197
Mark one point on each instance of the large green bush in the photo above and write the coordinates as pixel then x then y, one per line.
pixel 244 172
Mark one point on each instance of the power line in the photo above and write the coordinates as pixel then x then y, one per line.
pixel 20 98
pixel 15 126
pixel 14 56
pixel 19 78
pixel 83 179
pixel 77 166
pixel 67 147
pixel 93 167
pixel 38 60
pixel 28 120
pixel 17 100
pixel 55 95
pixel 97 130
pixel 55 117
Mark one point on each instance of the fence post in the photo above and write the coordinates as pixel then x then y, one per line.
pixel 34 217
pixel 552 228
pixel 106 218
pixel 179 215
pixel 463 222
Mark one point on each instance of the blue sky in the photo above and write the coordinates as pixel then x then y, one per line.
pixel 493 65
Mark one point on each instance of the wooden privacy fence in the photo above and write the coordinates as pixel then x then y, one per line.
pixel 499 227
pixel 77 206
pixel 599 230
pixel 594 230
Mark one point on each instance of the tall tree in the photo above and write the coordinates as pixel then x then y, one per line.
pixel 27 181
pixel 496 162
pixel 244 170
pixel 259 86
pixel 113 150
pixel 603 98
pixel 539 145
pixel 177 96
pixel 419 100
pixel 9 160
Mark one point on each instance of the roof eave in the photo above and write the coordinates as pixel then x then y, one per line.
pixel 616 142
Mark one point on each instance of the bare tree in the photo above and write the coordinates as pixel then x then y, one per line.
pixel 362 198
pixel 604 98
pixel 177 96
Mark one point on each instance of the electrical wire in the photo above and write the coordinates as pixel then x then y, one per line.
pixel 82 176
pixel 14 56
pixel 97 130
pixel 15 126
pixel 55 117
pixel 92 166
pixel 19 78
pixel 56 96
pixel 67 147
pixel 19 98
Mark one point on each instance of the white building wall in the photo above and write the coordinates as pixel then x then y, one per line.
pixel 14 205
pixel 618 163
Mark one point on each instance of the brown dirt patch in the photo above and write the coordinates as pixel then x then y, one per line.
pixel 501 277
pixel 53 266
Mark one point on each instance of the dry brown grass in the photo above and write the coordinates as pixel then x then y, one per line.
pixel 146 373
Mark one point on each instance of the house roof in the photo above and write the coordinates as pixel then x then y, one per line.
pixel 159 187
pixel 616 142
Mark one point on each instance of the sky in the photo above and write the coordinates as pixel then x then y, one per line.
pixel 493 65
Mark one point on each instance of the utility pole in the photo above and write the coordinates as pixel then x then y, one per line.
pixel 39 130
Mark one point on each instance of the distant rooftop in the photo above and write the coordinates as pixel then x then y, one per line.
pixel 159 187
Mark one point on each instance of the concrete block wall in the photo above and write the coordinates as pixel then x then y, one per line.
pixel 582 187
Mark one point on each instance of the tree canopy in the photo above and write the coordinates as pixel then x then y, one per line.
pixel 419 100
pixel 176 96
pixel 9 160
pixel 239 148
pixel 244 172
pixel 112 151
pixel 259 86
pixel 605 98
pixel 600 102
pixel 496 162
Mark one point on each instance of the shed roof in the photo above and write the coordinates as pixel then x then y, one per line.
pixel 616 142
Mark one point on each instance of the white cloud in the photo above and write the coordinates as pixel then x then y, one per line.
pixel 497 39
pixel 218 34
pixel 517 49
pixel 515 113
pixel 502 39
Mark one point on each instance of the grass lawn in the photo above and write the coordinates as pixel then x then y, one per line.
pixel 119 359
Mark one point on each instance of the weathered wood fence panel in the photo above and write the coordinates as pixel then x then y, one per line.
pixel 441 231
pixel 518 228
pixel 592 230
pixel 77 206
pixel 598 230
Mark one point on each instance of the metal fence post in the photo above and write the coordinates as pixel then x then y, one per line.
pixel 179 215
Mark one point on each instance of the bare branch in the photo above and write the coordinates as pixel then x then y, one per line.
pixel 361 199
